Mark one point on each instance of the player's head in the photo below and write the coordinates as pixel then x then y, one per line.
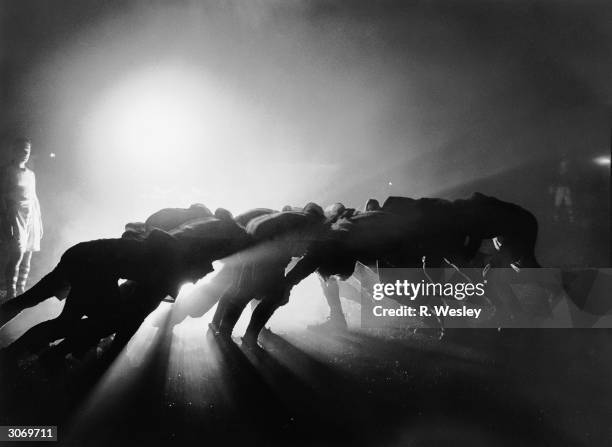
pixel 313 209
pixel 21 148
pixel 372 205
pixel 334 210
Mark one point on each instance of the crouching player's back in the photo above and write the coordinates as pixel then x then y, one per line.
pixel 92 269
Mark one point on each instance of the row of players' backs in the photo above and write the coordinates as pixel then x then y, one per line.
pixel 283 224
pixel 370 231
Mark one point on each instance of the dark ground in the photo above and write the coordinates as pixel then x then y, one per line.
pixel 474 387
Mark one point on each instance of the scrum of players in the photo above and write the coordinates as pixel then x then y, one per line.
pixel 258 250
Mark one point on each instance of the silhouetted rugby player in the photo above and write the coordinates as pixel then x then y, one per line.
pixel 455 229
pixel 279 237
pixel 370 237
pixel 337 245
pixel 432 228
pixel 234 270
pixel 329 284
pixel 229 278
pixel 166 219
pixel 92 270
pixel 169 218
pixel 206 239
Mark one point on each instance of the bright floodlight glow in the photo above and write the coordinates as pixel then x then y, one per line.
pixel 602 160
pixel 153 119
pixel 172 136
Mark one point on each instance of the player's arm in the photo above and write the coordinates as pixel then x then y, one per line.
pixel 302 269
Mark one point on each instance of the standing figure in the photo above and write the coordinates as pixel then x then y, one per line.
pixel 20 217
